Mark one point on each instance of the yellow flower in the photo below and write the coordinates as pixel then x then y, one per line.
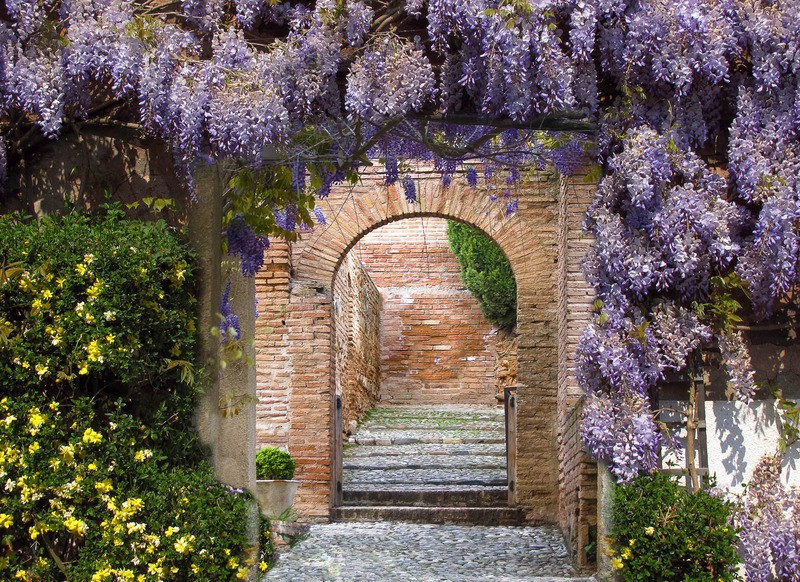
pixel 649 530
pixel 47 294
pixel 26 365
pixel 103 486
pixel 6 521
pixel 76 526
pixel 80 268
pixel 233 563
pixel 110 338
pixel 93 351
pixel 84 368
pixel 41 369
pixel 91 466
pixel 35 418
pixel 632 542
pixel 53 406
pixel 171 530
pixel 60 282
pixel 616 564
pixel 242 573
pixel 626 553
pixel 34 447
pixel 67 453
pixel 103 573
pixel 21 574
pixel 143 455
pixel 37 529
pixel 9 420
pixel 88 258
pixel 184 544
pixel 263 566
pixel 96 289
pixel 91 436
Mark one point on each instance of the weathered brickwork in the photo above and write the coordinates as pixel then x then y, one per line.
pixel 357 318
pixel 528 238
pixel 437 348
pixel 577 472
pixel 273 363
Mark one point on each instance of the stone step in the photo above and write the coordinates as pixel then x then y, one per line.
pixel 479 477
pixel 475 497
pixel 388 437
pixel 426 462
pixel 378 486
pixel 439 449
pixel 478 429
pixel 490 516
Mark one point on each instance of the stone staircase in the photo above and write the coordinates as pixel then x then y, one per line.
pixel 425 464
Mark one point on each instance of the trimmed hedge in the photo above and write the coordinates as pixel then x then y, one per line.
pixel 486 272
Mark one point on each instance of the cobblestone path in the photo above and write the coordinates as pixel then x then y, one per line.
pixel 404 552
pixel 444 469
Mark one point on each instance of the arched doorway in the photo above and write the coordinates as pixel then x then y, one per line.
pixel 421 374
pixel 295 363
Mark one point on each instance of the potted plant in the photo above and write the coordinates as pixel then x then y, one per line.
pixel 275 488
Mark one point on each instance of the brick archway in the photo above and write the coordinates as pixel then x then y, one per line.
pixel 294 347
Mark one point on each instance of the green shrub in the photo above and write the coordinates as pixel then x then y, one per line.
pixel 486 272
pixel 90 304
pixel 661 532
pixel 274 463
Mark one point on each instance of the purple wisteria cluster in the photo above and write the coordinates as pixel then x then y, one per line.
pixel 770 526
pixel 663 229
pixel 246 244
pixel 229 329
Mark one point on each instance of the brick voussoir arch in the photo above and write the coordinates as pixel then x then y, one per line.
pixel 528 238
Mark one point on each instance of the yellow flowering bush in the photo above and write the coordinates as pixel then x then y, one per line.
pixel 101 476
pixel 80 503
pixel 660 531
pixel 93 302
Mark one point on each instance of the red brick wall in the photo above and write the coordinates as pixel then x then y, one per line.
pixel 273 363
pixel 357 322
pixel 437 348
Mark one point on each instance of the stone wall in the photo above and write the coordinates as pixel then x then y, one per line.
pixel 436 346
pixel 357 319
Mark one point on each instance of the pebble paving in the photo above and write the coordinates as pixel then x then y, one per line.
pixel 402 552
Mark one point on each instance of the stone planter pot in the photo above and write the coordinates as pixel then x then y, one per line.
pixel 275 497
